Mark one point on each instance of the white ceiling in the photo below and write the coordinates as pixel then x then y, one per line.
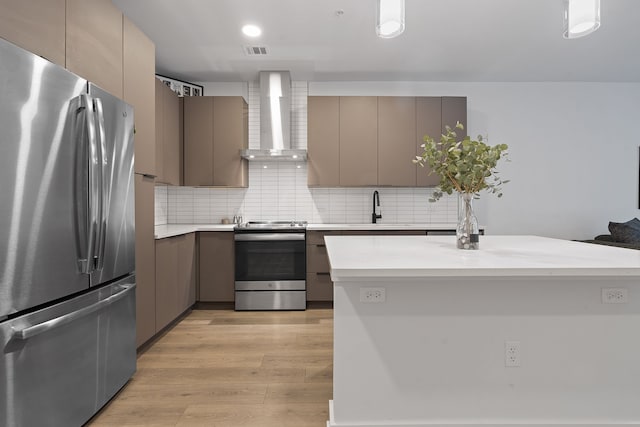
pixel 444 40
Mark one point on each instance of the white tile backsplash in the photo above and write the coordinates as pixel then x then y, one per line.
pixel 278 190
pixel 161 208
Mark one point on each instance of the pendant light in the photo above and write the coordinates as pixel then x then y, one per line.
pixel 390 18
pixel 581 17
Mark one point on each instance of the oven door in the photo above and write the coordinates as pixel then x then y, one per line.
pixel 270 257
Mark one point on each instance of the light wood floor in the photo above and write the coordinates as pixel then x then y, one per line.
pixel 221 368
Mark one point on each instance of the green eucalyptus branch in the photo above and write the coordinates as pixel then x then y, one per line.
pixel 465 166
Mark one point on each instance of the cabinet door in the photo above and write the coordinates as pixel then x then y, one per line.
pixel 35 25
pixel 171 137
pixel 94 43
pixel 216 267
pixel 319 287
pixel 145 260
pixel 198 140
pixel 159 118
pixel 317 259
pixel 428 122
pixel 323 141
pixel 396 141
pixel 229 138
pixel 186 285
pixel 358 141
pixel 454 109
pixel 166 281
pixel 140 92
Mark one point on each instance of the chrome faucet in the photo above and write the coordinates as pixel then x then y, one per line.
pixel 374 216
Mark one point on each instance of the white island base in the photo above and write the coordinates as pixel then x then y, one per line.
pixel 514 334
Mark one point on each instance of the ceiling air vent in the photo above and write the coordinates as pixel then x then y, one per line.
pixel 255 50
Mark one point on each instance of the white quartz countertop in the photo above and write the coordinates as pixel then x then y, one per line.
pixel 170 230
pixel 353 258
pixel 373 227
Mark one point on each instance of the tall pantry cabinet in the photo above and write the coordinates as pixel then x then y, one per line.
pixel 139 91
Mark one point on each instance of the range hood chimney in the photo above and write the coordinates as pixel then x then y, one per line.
pixel 275 120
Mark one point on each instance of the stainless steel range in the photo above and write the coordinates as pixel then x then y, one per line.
pixel 270 271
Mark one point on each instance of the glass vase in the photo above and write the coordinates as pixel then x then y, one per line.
pixel 467 231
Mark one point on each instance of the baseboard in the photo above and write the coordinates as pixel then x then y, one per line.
pixel 486 423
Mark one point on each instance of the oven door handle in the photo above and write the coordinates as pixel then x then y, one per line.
pixel 248 237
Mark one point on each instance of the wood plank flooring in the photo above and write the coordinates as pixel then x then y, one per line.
pixel 221 368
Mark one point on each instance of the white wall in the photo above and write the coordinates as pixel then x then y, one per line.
pixel 574 154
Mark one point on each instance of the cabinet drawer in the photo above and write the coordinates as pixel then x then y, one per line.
pixel 319 287
pixel 317 259
pixel 317 237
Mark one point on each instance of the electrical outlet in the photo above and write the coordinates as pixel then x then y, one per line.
pixel 512 354
pixel 615 295
pixel 372 295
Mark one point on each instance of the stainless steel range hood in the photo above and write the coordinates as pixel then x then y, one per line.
pixel 275 120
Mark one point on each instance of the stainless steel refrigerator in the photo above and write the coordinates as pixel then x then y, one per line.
pixel 67 280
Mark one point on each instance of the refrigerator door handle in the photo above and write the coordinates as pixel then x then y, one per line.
pixel 87 181
pixel 40 328
pixel 104 185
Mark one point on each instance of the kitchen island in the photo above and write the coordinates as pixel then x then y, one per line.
pixel 525 331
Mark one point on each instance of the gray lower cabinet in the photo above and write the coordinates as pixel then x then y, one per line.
pixel 216 266
pixel 319 284
pixel 175 278
pixel 145 260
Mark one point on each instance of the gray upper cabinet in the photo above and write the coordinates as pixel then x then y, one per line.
pixel 140 92
pixel 396 141
pixel 454 109
pixel 94 43
pixel 215 132
pixel 198 140
pixel 168 151
pixel 323 140
pixel 358 141
pixel 35 25
pixel 428 122
pixel 230 137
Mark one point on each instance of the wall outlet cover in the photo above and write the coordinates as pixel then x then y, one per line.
pixel 512 356
pixel 373 295
pixel 615 295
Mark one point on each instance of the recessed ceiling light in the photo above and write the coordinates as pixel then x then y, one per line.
pixel 251 30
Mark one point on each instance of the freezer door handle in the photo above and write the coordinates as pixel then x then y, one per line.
pixel 104 185
pixel 40 328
